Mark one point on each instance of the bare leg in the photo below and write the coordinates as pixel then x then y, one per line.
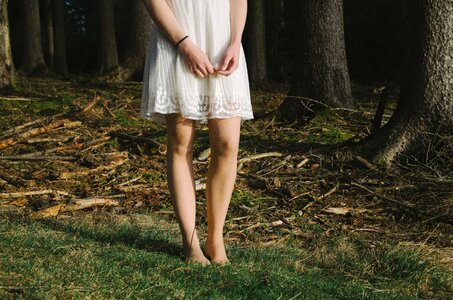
pixel 224 140
pixel 180 135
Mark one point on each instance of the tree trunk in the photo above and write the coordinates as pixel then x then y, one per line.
pixel 33 56
pixel 108 53
pixel 60 61
pixel 256 42
pixel 133 59
pixel 322 72
pixel 49 33
pixel 6 61
pixel 425 108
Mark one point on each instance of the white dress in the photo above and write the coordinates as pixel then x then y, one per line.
pixel 168 84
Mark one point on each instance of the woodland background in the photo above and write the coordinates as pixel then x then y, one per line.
pixel 373 31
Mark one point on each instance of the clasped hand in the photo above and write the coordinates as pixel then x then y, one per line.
pixel 198 62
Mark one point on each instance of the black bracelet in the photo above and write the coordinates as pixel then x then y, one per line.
pixel 180 41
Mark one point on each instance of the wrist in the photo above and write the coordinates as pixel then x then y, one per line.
pixel 181 40
pixel 184 45
pixel 235 42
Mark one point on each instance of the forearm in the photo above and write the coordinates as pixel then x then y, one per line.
pixel 238 16
pixel 164 17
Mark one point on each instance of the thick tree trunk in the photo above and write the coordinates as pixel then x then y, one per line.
pixel 322 72
pixel 33 56
pixel 49 33
pixel 60 61
pixel 425 108
pixel 133 59
pixel 6 61
pixel 256 42
pixel 108 53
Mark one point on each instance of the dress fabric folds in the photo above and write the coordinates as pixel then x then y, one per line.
pixel 168 84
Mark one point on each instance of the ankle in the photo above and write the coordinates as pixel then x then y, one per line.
pixel 215 241
pixel 214 246
pixel 216 253
pixel 193 246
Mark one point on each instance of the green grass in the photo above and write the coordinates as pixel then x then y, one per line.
pixel 248 198
pixel 41 106
pixel 113 259
pixel 125 120
pixel 324 129
pixel 153 177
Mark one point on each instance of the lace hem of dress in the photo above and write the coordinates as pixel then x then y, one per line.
pixel 159 117
pixel 203 108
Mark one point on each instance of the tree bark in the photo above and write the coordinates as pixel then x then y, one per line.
pixel 256 42
pixel 6 61
pixel 322 72
pixel 33 56
pixel 60 60
pixel 108 53
pixel 425 108
pixel 49 33
pixel 133 60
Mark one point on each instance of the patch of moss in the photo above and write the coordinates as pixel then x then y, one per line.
pixel 154 177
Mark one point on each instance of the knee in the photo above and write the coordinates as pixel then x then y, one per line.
pixel 225 148
pixel 179 148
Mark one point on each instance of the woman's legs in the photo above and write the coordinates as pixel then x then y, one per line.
pixel 180 135
pixel 224 137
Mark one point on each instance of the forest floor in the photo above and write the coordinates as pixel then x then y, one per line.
pixel 84 209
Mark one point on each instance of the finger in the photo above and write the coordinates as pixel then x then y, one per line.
pixel 225 62
pixel 203 70
pixel 231 65
pixel 231 68
pixel 198 73
pixel 226 73
pixel 210 69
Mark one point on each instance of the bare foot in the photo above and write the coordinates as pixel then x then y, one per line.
pixel 195 256
pixel 216 254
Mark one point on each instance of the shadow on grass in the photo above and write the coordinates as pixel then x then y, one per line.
pixel 126 234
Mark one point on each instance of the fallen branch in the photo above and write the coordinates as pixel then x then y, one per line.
pixel 31 193
pixel 110 166
pixel 47 140
pixel 320 197
pixel 96 143
pixel 27 157
pixel 257 156
pixel 267 224
pixel 20 128
pixel 142 186
pixel 204 155
pixel 130 181
pixel 4 98
pixel 347 211
pixel 161 148
pixel 16 181
pixel 77 204
pixel 32 132
pixel 303 162
pixel 91 104
pixel 403 204
pixel 365 163
pixel 200 186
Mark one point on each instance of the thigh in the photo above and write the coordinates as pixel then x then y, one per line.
pixel 180 131
pixel 224 134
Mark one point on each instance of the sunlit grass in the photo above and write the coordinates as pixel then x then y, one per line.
pixel 109 258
